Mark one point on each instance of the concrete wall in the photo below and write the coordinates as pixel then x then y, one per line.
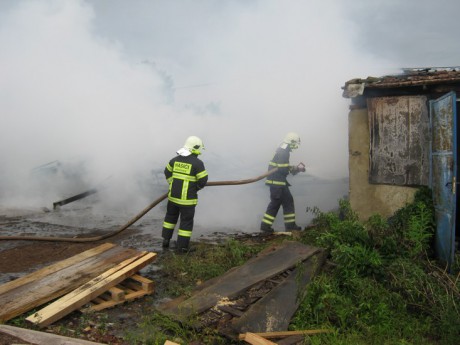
pixel 365 198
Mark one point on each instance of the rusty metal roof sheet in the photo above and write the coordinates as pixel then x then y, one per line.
pixel 409 77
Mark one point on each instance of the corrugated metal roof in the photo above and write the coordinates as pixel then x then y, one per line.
pixel 409 77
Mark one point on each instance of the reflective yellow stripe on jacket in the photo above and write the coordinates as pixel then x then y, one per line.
pixel 277 183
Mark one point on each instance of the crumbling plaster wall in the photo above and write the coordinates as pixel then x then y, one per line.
pixel 367 199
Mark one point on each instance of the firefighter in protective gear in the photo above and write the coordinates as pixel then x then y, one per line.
pixel 186 175
pixel 280 195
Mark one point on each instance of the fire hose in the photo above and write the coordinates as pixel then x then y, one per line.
pixel 134 219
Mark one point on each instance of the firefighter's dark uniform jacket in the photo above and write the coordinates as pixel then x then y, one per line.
pixel 280 194
pixel 186 176
pixel 281 161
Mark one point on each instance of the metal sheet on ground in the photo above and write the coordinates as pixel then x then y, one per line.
pixel 266 265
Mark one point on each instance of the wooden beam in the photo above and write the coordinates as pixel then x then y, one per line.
pixel 283 334
pixel 230 310
pixel 137 291
pixel 117 294
pixel 255 339
pixel 147 284
pixel 87 292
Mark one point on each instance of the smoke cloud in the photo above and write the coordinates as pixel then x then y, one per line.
pixel 105 92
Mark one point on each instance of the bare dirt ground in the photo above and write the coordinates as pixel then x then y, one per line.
pixel 18 258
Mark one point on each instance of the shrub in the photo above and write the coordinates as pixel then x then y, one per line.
pixel 383 288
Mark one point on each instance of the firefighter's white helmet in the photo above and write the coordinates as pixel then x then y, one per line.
pixel 194 145
pixel 292 139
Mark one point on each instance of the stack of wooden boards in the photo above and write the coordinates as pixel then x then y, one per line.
pixel 77 281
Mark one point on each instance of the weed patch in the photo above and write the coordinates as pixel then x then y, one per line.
pixel 384 287
pixel 382 284
pixel 185 271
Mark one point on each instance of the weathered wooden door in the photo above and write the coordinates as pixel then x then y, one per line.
pixel 443 172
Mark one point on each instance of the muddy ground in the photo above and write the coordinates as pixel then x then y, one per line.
pixel 18 258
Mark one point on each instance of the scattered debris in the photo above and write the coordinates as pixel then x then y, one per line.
pixel 102 185
pixel 259 296
pixel 57 204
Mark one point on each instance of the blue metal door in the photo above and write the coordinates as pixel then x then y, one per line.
pixel 443 173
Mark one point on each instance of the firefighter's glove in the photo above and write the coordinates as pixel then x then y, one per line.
pixel 300 167
pixel 293 170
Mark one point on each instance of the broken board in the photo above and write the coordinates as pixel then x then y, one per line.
pixel 274 311
pixel 51 282
pixel 272 273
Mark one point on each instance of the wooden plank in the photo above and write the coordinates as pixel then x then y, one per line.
pixel 136 294
pixel 282 334
pixel 102 306
pixel 36 337
pixel 167 342
pixel 274 311
pixel 234 282
pixel 147 284
pixel 99 304
pixel 104 297
pixel 111 303
pixel 229 310
pixel 98 300
pixel 44 289
pixel 117 294
pixel 54 268
pixel 130 288
pixel 255 339
pixel 134 285
pixel 77 299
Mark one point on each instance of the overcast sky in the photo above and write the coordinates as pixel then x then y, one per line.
pixel 121 84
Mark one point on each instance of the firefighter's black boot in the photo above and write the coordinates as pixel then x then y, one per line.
pixel 264 227
pixel 165 243
pixel 293 226
pixel 185 250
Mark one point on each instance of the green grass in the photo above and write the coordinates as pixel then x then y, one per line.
pixel 385 286
pixel 184 272
pixel 381 286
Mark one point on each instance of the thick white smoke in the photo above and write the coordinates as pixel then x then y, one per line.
pixel 74 94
